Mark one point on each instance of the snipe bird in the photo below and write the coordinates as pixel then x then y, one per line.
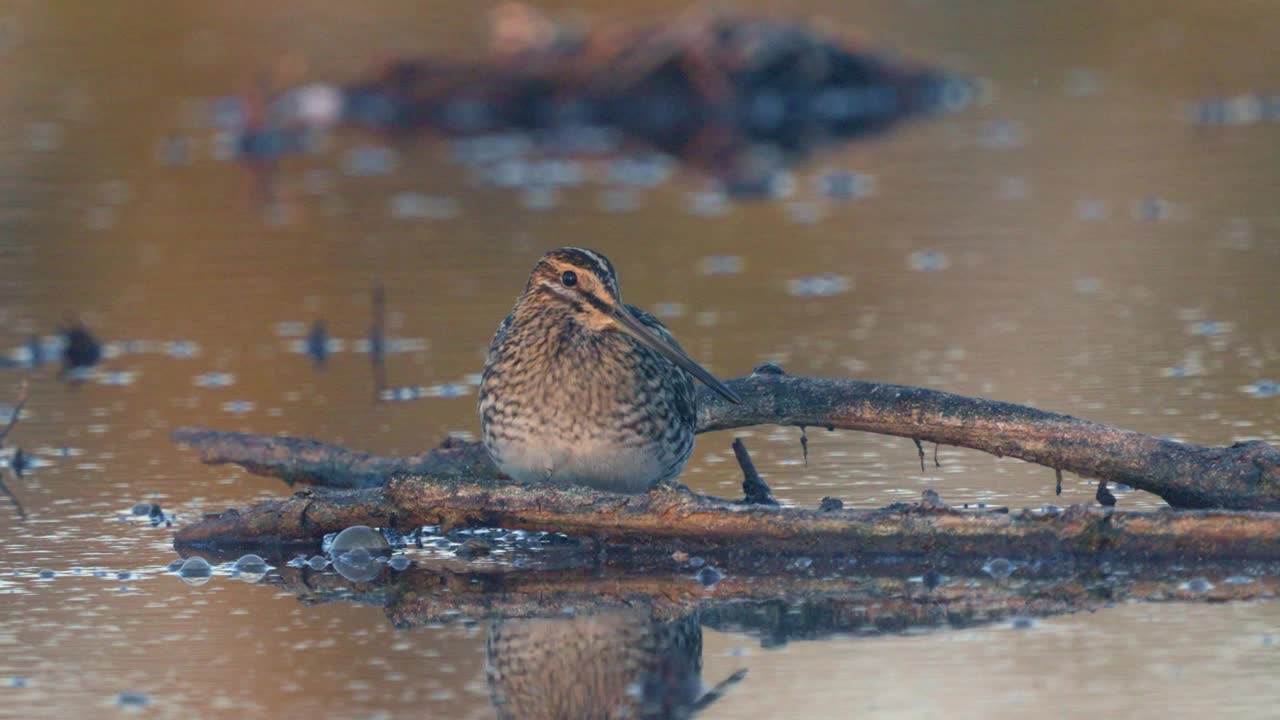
pixel 580 388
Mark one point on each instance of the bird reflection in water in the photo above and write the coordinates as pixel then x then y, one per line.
pixel 610 664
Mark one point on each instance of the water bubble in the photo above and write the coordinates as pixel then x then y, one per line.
pixel 297 562
pixel 709 576
pixel 124 575
pixel 999 568
pixel 175 565
pixel 195 567
pixel 319 562
pixel 358 537
pixel 46 574
pixel 1198 585
pixel 141 509
pixel 356 565
pixel 398 562
pixel 251 564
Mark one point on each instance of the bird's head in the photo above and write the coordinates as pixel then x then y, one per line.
pixel 584 282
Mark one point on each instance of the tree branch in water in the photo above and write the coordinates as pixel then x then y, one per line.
pixel 1244 476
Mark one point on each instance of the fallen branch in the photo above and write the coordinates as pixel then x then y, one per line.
pixel 673 519
pixel 17 462
pixel 1244 476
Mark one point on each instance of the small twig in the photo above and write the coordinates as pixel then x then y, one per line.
pixel 935 456
pixel 718 691
pixel 1058 473
pixel 17 504
pixel 919 449
pixel 804 444
pixel 378 341
pixel 754 488
pixel 1104 496
pixel 17 410
pixel 13 420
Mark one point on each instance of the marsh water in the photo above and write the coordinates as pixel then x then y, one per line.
pixel 1076 241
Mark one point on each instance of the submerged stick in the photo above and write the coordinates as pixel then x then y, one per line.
pixel 1244 476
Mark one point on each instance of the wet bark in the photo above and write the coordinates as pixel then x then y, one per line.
pixel 669 520
pixel 1244 476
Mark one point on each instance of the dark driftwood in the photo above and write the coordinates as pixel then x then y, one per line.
pixel 672 519
pixel 1244 476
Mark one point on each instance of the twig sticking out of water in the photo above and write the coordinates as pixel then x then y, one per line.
pixel 754 488
pixel 378 341
pixel 718 691
pixel 17 410
pixel 920 450
pixel 1058 489
pixel 1104 495
pixel 13 420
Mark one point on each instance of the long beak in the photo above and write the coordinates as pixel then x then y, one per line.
pixel 641 332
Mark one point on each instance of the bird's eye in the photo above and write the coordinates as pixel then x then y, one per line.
pixel 569 278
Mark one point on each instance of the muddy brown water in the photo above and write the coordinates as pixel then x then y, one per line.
pixel 1073 243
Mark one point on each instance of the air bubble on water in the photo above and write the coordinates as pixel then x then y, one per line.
pixel 398 562
pixel 360 537
pixel 1197 585
pixel 195 567
pixel 319 562
pixel 251 564
pixel 998 568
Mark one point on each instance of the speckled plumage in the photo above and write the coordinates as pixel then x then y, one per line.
pixel 613 664
pixel 569 398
